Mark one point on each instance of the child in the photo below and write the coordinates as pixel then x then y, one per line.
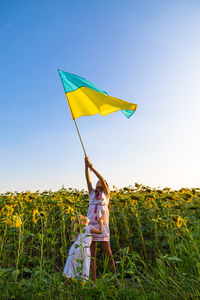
pixel 98 208
pixel 80 250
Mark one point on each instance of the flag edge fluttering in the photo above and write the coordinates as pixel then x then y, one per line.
pixel 83 87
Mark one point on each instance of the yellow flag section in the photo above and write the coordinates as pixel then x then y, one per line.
pixel 86 102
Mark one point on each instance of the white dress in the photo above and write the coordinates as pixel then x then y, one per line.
pixel 78 261
pixel 98 208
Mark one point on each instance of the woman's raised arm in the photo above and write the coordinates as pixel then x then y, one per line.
pixel 87 174
pixel 105 187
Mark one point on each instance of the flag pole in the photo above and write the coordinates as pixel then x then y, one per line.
pixel 80 137
pixel 75 122
pixel 77 128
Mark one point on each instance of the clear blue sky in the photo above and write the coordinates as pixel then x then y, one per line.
pixel 145 52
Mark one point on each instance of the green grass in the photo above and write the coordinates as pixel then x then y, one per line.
pixel 155 238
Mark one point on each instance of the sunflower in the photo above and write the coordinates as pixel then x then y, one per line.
pixel 17 221
pixel 35 211
pixel 179 222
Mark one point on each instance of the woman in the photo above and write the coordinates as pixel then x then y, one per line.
pixel 98 208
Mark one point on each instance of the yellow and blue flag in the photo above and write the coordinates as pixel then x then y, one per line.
pixel 86 99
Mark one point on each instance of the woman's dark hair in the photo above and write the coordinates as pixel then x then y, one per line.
pixel 106 184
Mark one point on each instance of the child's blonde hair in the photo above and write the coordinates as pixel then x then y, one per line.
pixel 75 227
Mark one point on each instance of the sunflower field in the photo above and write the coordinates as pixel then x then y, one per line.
pixel 155 240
